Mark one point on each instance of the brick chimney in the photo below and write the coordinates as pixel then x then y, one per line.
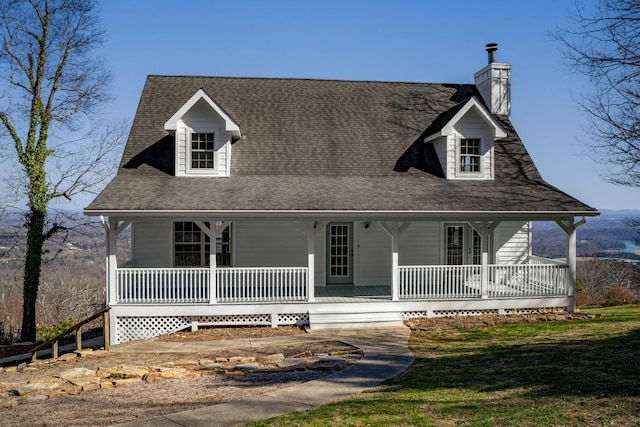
pixel 494 83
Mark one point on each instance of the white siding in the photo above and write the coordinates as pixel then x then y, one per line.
pixel 269 244
pixel 441 146
pixel 321 256
pixel 181 151
pixel 420 244
pixel 512 242
pixel 374 255
pixel 152 243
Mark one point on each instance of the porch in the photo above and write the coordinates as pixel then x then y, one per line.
pixel 326 274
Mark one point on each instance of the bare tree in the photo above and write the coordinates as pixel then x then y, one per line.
pixel 604 45
pixel 52 87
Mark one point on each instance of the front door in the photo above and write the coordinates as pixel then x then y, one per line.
pixel 339 252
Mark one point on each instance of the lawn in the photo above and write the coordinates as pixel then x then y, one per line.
pixel 564 373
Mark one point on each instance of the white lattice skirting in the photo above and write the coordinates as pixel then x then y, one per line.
pixel 134 328
pixel 416 314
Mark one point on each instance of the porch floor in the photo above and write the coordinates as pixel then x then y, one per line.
pixel 351 293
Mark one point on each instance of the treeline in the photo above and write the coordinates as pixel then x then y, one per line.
pixel 599 237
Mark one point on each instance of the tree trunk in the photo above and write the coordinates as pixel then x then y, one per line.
pixel 33 262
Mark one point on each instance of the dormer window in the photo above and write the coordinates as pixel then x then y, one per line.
pixel 203 133
pixel 470 155
pixel 202 151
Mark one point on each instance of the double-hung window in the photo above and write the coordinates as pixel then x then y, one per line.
pixel 470 155
pixel 192 246
pixel 202 151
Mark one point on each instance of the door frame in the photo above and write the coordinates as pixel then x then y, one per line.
pixel 349 278
pixel 468 253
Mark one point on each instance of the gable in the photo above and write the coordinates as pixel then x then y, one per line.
pixel 202 133
pixel 466 125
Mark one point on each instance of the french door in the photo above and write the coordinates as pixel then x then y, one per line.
pixel 340 253
pixel 463 245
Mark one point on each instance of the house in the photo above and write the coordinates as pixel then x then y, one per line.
pixel 329 203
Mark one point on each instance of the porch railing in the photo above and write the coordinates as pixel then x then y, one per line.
pixel 262 284
pixel 527 280
pixel 522 280
pixel 439 281
pixel 192 285
pixel 162 285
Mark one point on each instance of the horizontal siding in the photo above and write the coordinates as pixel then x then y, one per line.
pixel 512 243
pixel 181 160
pixel 152 244
pixel 420 244
pixel 269 244
pixel 374 256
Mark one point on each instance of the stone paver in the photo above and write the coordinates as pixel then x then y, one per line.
pixel 386 355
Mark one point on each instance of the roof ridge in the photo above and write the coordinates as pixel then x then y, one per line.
pixel 312 79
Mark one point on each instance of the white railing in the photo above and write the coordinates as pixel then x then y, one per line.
pixel 439 281
pixel 162 285
pixel 527 280
pixel 192 285
pixel 537 260
pixel 262 284
pixel 464 281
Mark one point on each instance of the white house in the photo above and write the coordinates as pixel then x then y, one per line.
pixel 328 203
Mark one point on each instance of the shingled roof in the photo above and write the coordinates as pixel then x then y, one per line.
pixel 321 145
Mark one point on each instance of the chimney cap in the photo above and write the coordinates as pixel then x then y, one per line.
pixel 491 51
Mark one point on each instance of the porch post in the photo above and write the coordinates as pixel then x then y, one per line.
pixel 311 262
pixel 394 230
pixel 395 271
pixel 213 297
pixel 569 227
pixel 484 275
pixel 212 232
pixel 112 263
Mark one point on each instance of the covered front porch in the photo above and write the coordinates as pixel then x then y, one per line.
pixel 326 273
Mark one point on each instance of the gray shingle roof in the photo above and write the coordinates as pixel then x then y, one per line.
pixel 321 145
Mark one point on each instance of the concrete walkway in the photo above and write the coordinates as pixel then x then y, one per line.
pixel 386 355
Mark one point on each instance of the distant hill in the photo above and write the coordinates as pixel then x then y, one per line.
pixel 606 236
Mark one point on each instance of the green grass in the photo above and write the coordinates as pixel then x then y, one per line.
pixel 565 373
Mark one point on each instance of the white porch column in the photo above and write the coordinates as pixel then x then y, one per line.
pixel 212 231
pixel 112 231
pixel 311 262
pixel 484 275
pixel 111 261
pixel 394 230
pixel 485 229
pixel 395 271
pixel 569 227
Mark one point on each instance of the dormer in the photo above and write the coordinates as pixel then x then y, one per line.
pixel 203 132
pixel 463 138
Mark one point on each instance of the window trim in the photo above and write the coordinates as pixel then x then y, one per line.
pixel 189 146
pixel 459 158
pixel 205 245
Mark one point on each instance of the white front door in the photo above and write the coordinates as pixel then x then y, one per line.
pixel 339 252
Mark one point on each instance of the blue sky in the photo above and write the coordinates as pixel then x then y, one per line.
pixel 399 40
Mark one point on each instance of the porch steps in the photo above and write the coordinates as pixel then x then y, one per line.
pixel 355 317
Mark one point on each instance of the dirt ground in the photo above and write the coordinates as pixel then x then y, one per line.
pixel 143 400
pixel 147 399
